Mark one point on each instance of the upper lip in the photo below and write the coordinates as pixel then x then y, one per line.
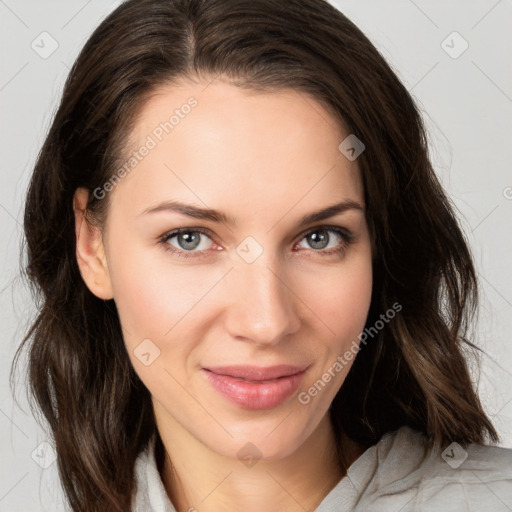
pixel 257 372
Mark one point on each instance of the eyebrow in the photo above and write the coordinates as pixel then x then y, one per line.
pixel 222 218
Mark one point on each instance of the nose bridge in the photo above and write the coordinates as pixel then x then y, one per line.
pixel 263 308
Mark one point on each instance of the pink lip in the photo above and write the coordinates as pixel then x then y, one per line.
pixel 253 387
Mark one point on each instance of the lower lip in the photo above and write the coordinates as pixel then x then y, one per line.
pixel 255 395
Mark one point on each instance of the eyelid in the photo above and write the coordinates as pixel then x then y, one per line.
pixel 350 236
pixel 299 237
pixel 177 231
pixel 347 235
pixel 173 232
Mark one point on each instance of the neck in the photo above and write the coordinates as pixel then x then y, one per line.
pixel 196 478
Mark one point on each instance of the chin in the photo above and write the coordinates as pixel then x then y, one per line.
pixel 265 444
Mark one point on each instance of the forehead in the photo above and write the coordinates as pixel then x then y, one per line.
pixel 219 144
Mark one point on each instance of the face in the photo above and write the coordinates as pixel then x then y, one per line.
pixel 250 281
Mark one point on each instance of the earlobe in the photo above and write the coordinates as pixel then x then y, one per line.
pixel 90 252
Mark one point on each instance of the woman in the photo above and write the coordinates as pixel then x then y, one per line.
pixel 255 292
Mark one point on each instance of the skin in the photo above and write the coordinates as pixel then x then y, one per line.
pixel 265 159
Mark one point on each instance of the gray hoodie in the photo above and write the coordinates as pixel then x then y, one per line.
pixel 398 474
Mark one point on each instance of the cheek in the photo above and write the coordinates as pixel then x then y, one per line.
pixel 154 296
pixel 156 304
pixel 341 307
pixel 151 295
pixel 164 302
pixel 340 297
pixel 348 305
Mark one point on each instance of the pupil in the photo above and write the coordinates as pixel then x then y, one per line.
pixel 319 242
pixel 189 240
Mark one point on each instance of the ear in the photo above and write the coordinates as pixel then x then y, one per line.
pixel 90 252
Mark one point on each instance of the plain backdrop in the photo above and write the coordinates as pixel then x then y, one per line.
pixel 453 56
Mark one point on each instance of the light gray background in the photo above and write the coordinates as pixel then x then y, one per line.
pixel 467 105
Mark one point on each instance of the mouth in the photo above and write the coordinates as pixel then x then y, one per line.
pixel 257 373
pixel 256 388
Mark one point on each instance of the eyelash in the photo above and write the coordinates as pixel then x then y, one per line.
pixel 346 236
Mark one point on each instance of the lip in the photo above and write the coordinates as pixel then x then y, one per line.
pixel 257 373
pixel 256 388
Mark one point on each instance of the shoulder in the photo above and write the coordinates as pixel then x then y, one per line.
pixel 411 477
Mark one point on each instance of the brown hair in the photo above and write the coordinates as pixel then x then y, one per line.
pixel 413 372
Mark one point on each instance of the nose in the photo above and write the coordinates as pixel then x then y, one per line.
pixel 263 307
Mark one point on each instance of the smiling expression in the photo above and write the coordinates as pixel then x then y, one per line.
pixel 272 265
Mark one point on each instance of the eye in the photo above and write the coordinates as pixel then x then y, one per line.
pixel 328 240
pixel 193 242
pixel 187 240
